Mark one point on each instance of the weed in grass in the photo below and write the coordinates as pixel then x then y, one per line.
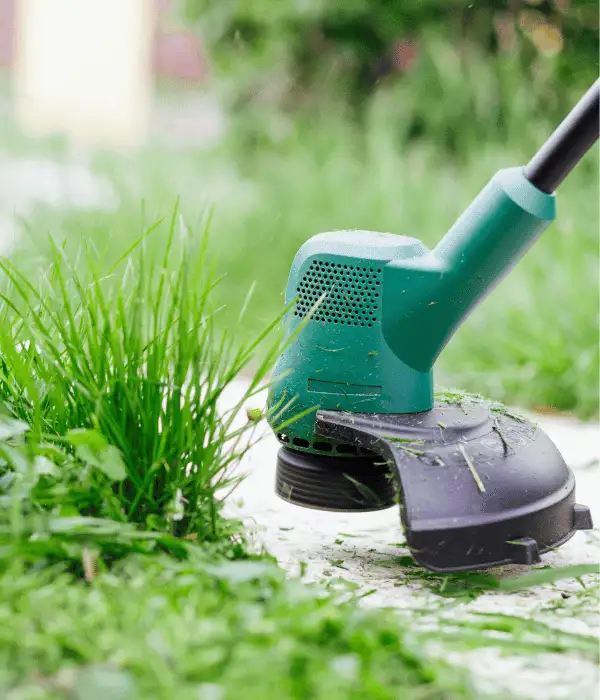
pixel 47 495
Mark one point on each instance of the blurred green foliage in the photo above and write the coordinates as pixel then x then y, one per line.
pixel 427 53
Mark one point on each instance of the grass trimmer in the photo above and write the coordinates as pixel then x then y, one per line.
pixel 370 313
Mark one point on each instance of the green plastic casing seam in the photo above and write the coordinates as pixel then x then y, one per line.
pixel 389 305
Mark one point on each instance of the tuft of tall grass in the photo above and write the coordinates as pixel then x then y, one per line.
pixel 113 385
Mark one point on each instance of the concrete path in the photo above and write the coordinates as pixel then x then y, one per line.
pixel 363 549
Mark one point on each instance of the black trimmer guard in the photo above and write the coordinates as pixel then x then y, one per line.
pixel 477 486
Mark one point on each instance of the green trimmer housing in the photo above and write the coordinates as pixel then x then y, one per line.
pixel 477 487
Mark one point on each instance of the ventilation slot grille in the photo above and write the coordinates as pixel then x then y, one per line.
pixel 353 293
pixel 326 446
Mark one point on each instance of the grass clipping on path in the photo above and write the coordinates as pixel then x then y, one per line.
pixel 115 451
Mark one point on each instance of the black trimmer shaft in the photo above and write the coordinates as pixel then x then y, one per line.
pixel 568 144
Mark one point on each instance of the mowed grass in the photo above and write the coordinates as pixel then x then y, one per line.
pixel 533 342
pixel 202 629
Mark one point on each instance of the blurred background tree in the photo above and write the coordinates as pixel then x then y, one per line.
pixel 539 55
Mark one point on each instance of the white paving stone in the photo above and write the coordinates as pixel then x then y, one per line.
pixel 313 542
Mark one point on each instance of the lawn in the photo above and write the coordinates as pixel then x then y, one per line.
pixel 119 574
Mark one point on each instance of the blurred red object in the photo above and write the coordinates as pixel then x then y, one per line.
pixel 179 55
pixel 404 53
